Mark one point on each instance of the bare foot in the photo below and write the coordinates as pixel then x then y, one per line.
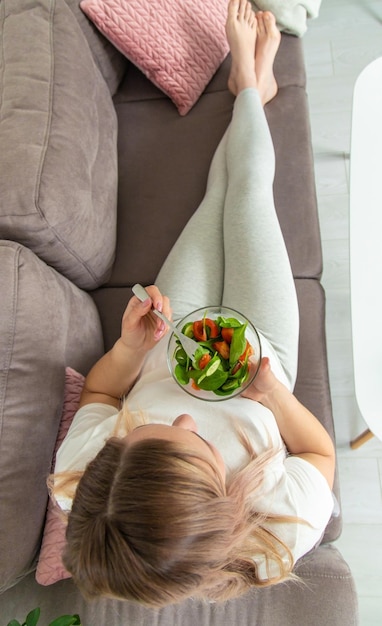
pixel 267 44
pixel 241 30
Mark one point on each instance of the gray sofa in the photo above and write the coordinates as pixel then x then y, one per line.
pixel 99 174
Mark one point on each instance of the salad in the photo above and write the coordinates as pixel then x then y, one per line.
pixel 220 364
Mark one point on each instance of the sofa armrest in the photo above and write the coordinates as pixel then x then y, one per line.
pixel 46 324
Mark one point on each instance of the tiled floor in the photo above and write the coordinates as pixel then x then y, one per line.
pixel 345 37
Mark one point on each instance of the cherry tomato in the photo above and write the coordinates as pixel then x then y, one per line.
pixel 204 359
pixel 237 367
pixel 214 328
pixel 205 329
pixel 222 347
pixel 199 331
pixel 227 334
pixel 247 352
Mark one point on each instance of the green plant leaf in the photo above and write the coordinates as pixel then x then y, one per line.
pixel 238 344
pixel 181 375
pixel 214 381
pixel 188 330
pixel 181 356
pixel 228 322
pixel 33 617
pixel 67 620
pixel 199 353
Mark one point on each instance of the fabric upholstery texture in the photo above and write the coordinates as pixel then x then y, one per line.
pixel 177 44
pixel 111 63
pixel 291 15
pixel 58 183
pixel 46 324
pixel 327 597
pixel 50 568
pixel 146 118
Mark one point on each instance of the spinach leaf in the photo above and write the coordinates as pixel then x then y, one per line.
pixel 238 344
pixel 228 322
pixel 216 380
pixel 181 375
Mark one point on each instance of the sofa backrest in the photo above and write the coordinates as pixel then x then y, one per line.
pixel 111 63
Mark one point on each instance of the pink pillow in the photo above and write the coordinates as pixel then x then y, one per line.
pixel 177 44
pixel 50 568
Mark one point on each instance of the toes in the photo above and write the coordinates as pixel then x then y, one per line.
pixel 242 9
pixel 269 17
pixel 269 21
pixel 233 8
pixel 266 23
pixel 248 12
pixel 260 23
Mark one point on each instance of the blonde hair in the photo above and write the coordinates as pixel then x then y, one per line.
pixel 150 523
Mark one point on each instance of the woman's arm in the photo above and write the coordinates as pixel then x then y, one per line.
pixel 302 433
pixel 115 373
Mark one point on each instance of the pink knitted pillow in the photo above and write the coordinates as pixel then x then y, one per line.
pixel 177 44
pixel 50 568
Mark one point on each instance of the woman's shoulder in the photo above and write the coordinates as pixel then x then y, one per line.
pixel 92 425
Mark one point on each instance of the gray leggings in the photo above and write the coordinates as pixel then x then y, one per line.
pixel 232 251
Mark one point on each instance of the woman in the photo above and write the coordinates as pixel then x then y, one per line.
pixel 189 498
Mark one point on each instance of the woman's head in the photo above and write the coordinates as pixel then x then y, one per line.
pixel 150 521
pixel 154 521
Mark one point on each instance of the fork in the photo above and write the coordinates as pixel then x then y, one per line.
pixel 189 345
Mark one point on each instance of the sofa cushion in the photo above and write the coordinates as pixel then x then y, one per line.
pixel 178 44
pixel 325 595
pixel 152 217
pixel 58 172
pixel 111 63
pixel 46 323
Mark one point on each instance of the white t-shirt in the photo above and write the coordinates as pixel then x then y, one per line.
pixel 292 486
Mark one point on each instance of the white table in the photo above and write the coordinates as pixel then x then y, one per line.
pixel 366 247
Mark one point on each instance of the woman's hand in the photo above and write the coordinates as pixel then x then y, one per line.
pixel 302 433
pixel 264 383
pixel 112 377
pixel 141 328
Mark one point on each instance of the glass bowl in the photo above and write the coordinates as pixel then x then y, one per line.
pixel 220 370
